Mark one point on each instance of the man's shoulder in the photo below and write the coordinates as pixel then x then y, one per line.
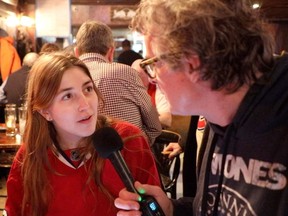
pixel 23 70
pixel 134 54
pixel 18 75
pixel 126 128
pixel 113 68
pixel 129 56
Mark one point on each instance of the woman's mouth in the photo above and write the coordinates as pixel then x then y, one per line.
pixel 85 119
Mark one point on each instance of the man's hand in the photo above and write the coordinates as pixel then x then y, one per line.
pixel 172 149
pixel 128 203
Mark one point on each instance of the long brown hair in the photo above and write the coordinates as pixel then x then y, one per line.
pixel 44 81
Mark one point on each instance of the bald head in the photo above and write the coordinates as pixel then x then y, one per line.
pixel 3 33
pixel 30 58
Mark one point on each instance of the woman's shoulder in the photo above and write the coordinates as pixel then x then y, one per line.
pixel 126 129
pixel 132 136
pixel 20 153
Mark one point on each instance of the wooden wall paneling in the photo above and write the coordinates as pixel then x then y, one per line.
pixel 275 10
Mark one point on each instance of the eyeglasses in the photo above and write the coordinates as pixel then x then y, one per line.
pixel 148 66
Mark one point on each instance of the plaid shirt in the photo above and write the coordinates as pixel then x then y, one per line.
pixel 124 95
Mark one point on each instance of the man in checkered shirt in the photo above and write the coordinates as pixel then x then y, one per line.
pixel 124 95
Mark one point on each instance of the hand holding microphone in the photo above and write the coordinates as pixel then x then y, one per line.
pixel 108 144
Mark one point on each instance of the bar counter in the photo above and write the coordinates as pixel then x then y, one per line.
pixel 7 142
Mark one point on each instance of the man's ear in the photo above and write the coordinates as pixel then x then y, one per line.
pixel 110 54
pixel 76 51
pixel 45 114
pixel 194 68
pixel 194 62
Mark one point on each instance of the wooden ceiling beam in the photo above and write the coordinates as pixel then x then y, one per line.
pixel 105 2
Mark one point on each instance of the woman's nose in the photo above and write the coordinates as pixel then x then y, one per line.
pixel 83 103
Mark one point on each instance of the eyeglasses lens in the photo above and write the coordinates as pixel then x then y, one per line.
pixel 148 67
pixel 150 70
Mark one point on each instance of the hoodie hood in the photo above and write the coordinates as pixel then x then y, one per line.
pixel 258 113
pixel 8 39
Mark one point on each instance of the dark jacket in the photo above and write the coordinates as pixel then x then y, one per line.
pixel 15 86
pixel 255 147
pixel 128 57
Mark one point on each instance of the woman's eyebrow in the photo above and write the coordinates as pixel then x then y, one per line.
pixel 70 88
pixel 64 89
pixel 88 82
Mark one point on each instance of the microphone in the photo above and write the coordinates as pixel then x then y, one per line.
pixel 108 144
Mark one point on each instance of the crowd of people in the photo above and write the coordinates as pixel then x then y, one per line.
pixel 209 58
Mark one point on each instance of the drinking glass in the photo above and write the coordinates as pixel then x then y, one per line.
pixel 22 119
pixel 10 119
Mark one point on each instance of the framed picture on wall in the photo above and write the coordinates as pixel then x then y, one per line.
pixel 122 14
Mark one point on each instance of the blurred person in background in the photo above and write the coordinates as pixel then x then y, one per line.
pixel 128 56
pixel 70 49
pixel 48 48
pixel 162 106
pixel 13 89
pixel 9 58
pixel 157 97
pixel 125 97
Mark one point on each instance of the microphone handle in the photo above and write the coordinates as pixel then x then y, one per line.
pixel 123 171
pixel 149 205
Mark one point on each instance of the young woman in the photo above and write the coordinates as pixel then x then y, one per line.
pixel 57 171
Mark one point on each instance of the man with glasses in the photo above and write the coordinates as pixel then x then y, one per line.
pixel 214 58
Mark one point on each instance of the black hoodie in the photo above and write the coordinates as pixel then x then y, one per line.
pixel 254 180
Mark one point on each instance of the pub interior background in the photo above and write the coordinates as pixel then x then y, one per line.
pixel 23 21
pixel 34 22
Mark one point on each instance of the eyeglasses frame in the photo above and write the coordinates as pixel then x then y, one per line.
pixel 146 65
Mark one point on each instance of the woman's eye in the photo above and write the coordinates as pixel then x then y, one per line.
pixel 89 89
pixel 67 96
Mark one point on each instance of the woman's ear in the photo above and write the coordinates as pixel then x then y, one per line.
pixel 45 114
pixel 193 68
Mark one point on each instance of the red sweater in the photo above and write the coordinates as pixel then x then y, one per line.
pixel 71 195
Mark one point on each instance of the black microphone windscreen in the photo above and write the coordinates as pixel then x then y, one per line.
pixel 106 140
pixel 107 143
